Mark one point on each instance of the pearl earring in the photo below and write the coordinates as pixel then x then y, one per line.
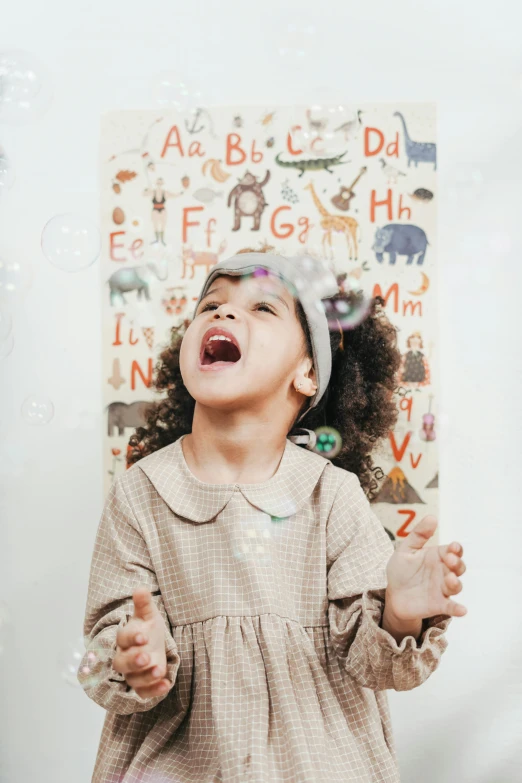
pixel 298 386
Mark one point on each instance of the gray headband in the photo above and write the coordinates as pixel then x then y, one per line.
pixel 310 281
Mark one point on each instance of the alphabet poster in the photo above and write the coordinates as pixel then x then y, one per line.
pixel 354 184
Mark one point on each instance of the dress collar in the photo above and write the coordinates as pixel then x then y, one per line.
pixel 188 497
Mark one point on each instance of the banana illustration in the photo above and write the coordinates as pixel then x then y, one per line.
pixel 215 170
pixel 207 163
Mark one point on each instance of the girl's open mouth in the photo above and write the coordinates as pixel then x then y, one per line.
pixel 219 350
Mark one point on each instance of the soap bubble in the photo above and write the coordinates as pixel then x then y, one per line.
pixel 71 242
pixel 314 280
pixel 7 176
pixel 6 346
pixel 6 324
pixel 78 660
pixel 37 410
pixel 252 542
pixel 328 442
pixel 15 278
pixel 70 666
pixel 24 87
pixel 464 183
pixel 324 130
pixel 295 42
pixel 350 309
pixel 318 279
pixel 173 93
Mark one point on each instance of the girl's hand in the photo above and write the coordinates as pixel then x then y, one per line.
pixel 141 654
pixel 420 580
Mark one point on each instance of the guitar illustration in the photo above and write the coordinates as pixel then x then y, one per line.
pixel 345 195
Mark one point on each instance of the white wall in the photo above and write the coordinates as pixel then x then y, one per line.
pixel 465 723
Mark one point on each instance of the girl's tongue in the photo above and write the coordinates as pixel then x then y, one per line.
pixel 221 351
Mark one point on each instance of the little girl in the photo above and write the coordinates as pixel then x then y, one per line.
pixel 246 610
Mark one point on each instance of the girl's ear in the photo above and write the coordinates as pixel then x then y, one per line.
pixel 311 374
pixel 305 381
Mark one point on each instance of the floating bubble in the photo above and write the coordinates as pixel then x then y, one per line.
pixel 464 182
pixel 296 41
pixel 324 130
pixel 89 665
pixel 24 87
pixel 72 663
pixel 7 176
pixel 6 346
pixel 349 309
pixel 172 92
pixel 6 324
pixel 252 542
pixel 15 278
pixel 71 242
pixel 314 281
pixel 320 277
pixel 37 410
pixel 279 523
pixel 328 442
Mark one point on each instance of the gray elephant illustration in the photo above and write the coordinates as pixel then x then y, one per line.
pixel 121 415
pixel 400 239
pixel 135 278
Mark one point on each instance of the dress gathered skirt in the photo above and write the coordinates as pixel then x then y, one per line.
pixel 272 596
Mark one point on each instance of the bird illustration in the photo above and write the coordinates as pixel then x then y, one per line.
pixel 316 124
pixel 391 172
pixel 351 127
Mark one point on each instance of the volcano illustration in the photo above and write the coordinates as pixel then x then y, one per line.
pixel 434 483
pixel 397 489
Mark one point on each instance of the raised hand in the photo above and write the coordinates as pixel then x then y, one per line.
pixel 422 579
pixel 141 654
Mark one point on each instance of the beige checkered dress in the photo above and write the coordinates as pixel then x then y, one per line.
pixel 272 595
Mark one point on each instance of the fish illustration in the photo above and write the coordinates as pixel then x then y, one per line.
pixel 207 195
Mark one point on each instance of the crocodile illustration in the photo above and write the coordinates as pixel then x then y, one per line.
pixel 313 164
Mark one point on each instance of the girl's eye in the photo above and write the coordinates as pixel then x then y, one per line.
pixel 259 305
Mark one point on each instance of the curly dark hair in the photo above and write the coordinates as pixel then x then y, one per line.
pixel 358 402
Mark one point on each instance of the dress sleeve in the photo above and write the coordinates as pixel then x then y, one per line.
pixel 120 563
pixel 358 550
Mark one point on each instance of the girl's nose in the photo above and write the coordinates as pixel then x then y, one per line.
pixel 225 311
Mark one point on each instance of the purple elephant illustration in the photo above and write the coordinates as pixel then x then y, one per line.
pixel 400 239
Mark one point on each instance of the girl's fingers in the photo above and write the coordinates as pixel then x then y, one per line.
pixel 460 568
pixel 454 563
pixel 146 679
pixel 456 610
pixel 453 584
pixel 456 548
pixel 154 690
pixel 140 639
pixel 134 659
pixel 127 635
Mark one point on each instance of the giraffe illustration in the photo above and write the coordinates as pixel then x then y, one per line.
pixel 329 223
